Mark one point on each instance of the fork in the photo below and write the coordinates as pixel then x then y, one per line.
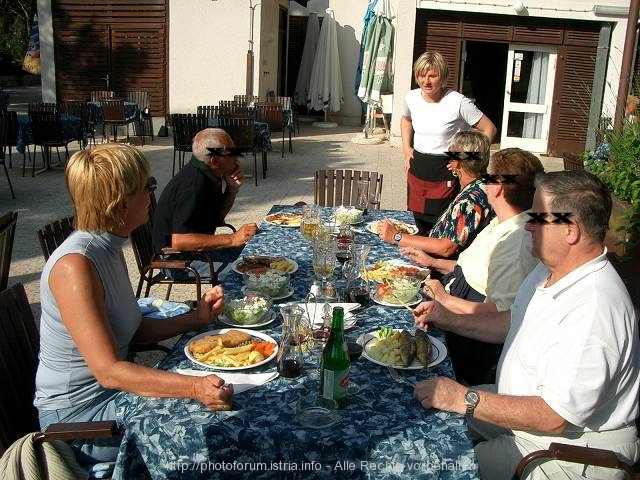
pixel 398 378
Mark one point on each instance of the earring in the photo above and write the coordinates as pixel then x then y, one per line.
pixel 454 172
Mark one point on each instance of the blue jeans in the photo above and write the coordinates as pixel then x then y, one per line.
pixel 100 408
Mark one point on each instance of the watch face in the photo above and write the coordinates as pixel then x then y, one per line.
pixel 397 237
pixel 472 398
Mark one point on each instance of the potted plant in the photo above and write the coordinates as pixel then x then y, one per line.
pixel 616 162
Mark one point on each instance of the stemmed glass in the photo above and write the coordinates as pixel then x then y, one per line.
pixel 374 200
pixel 355 350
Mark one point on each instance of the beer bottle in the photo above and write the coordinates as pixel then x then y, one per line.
pixel 334 366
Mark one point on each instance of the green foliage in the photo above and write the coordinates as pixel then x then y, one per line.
pixel 14 31
pixel 620 172
pixel 617 164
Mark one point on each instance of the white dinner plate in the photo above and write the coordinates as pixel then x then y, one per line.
pixel 287 294
pixel 269 317
pixel 290 219
pixel 264 259
pixel 397 262
pixel 259 335
pixel 373 226
pixel 438 351
pixel 418 298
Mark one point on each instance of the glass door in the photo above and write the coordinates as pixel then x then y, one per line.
pixel 527 99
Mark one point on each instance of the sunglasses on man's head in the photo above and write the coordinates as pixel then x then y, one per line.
pixel 150 184
pixel 225 152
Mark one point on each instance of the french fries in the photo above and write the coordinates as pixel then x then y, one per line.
pixel 241 356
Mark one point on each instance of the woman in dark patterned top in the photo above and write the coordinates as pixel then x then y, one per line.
pixel 467 214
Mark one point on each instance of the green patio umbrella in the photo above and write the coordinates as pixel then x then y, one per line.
pixel 377 73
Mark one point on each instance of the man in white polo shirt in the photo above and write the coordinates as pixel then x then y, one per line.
pixel 570 368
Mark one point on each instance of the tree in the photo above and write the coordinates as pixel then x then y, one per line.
pixel 15 22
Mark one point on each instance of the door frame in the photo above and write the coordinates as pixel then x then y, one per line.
pixel 537 145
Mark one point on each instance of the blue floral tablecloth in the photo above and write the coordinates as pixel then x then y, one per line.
pixel 383 432
pixel 72 128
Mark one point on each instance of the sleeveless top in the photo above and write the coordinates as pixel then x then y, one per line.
pixel 63 378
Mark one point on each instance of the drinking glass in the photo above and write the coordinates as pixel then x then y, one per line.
pixel 363 194
pixel 374 200
pixel 324 259
pixel 310 221
pixel 355 350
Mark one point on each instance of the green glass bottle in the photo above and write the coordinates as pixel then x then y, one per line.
pixel 334 366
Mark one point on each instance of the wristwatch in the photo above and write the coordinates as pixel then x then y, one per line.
pixel 397 237
pixel 471 400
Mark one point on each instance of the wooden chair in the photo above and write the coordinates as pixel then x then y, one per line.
pixel 242 132
pixel 113 115
pixel 53 234
pixel 576 454
pixel 247 100
pixel 47 133
pixel 80 109
pixel 151 265
pixel 19 347
pixel 209 111
pixel 46 107
pixel 7 234
pixel 185 126
pixel 230 107
pixel 11 130
pixel 99 95
pixel 273 115
pixel 144 120
pixel 287 104
pixel 4 126
pixel 340 187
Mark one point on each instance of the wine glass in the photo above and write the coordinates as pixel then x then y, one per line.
pixel 374 200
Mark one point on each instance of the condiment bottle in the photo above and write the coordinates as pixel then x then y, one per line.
pixel 334 365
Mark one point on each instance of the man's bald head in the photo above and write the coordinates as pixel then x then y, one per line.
pixel 210 138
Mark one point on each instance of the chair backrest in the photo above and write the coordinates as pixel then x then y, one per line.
pixel 7 234
pixel 340 187
pixel 245 99
pixel 142 98
pixel 11 127
pixel 113 110
pixel 240 129
pixel 45 107
pixel 53 234
pixel 99 95
pixel 235 109
pixel 46 127
pixel 272 114
pixel 78 108
pixel 209 111
pixel 284 101
pixel 19 346
pixel 185 127
pixel 142 237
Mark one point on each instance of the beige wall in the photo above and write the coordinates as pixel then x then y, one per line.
pixel 208 43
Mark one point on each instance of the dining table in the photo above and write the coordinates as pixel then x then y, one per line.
pixel 71 126
pixel 382 433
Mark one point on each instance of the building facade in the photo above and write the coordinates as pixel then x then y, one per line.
pixel 545 72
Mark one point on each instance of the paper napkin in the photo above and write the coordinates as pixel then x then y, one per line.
pixel 241 381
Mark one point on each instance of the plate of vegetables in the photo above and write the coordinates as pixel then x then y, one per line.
pixel 401 349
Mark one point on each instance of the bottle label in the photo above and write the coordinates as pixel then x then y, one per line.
pixel 334 384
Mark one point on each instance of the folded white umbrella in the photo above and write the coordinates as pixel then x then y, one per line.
pixel 325 87
pixel 306 62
